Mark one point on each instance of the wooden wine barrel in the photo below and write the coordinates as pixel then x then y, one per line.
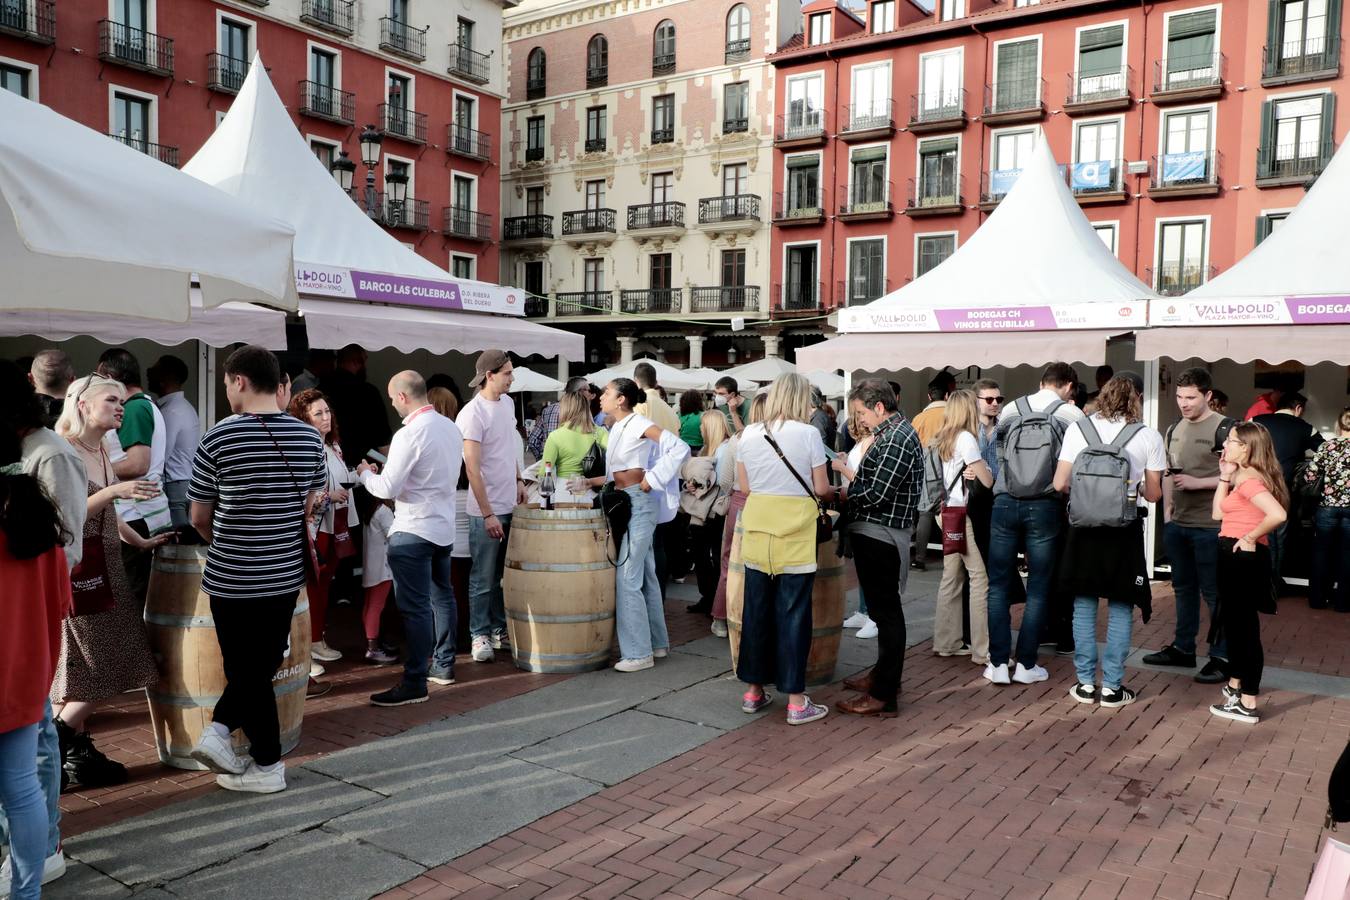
pixel 558 587
pixel 191 674
pixel 827 608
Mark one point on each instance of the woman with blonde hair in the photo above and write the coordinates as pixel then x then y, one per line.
pixel 567 445
pixel 1249 503
pixel 783 463
pixel 728 479
pixel 957 446
pixel 706 505
pixel 104 648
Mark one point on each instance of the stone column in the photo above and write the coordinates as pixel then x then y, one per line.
pixel 695 350
pixel 770 344
pixel 626 342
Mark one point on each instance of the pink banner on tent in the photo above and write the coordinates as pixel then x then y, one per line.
pixel 1318 310
pixel 1010 318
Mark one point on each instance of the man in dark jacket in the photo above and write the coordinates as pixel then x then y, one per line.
pixel 1294 441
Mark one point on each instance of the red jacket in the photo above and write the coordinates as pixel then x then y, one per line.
pixel 33 604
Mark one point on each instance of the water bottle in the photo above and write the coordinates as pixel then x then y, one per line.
pixel 546 487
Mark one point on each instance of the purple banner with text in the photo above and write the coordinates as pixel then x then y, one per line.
pixel 1016 318
pixel 400 289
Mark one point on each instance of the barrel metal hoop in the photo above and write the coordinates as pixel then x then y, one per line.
pixel 597 526
pixel 170 621
pixel 178 568
pixel 558 567
pixel 576 619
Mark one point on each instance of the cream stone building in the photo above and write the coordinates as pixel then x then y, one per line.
pixel 637 143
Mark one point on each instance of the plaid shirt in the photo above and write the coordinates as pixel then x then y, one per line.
pixel 886 487
pixel 544 425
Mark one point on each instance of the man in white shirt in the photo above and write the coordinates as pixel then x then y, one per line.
pixel 420 476
pixel 182 428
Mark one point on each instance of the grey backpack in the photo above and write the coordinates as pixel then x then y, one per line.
pixel 1028 450
pixel 931 495
pixel 1101 492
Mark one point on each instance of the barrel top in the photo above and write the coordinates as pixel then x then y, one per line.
pixel 534 514
pixel 181 551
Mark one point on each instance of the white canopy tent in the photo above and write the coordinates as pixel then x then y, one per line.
pixel 91 225
pixel 1297 277
pixel 667 376
pixel 525 381
pixel 257 155
pixel 830 384
pixel 761 371
pixel 1034 283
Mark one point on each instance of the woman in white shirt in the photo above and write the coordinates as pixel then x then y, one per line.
pixel 1108 561
pixel 958 447
pixel 334 520
pixel 641 459
pixel 778 547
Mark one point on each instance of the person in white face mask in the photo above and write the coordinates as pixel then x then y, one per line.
pixel 727 397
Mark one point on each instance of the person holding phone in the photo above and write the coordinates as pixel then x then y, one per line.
pixel 727 397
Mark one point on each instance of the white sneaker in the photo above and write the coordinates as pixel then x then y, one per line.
pixel 482 648
pixel 634 665
pixel 53 867
pixel 857 620
pixel 256 779
pixel 215 751
pixel 315 670
pixel 660 654
pixel 324 653
pixel 719 628
pixel 1023 675
pixel 868 631
pixel 996 674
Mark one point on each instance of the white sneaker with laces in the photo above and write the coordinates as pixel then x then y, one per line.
pixel 662 653
pixel 996 674
pixel 857 620
pixel 315 670
pixel 719 628
pixel 482 648
pixel 1023 675
pixel 256 779
pixel 324 653
pixel 215 751
pixel 868 631
pixel 53 867
pixel 634 665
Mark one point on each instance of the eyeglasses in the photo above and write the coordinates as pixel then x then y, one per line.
pixel 993 399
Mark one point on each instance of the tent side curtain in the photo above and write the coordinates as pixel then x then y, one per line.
pixel 917 351
pixel 1245 343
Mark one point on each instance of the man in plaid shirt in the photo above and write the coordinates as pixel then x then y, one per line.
pixel 883 498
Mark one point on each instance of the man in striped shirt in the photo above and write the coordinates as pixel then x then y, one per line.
pixel 255 478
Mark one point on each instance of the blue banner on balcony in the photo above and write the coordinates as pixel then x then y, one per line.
pixel 1183 166
pixel 1002 180
pixel 1086 175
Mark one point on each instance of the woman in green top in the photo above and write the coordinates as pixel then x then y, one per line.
pixel 568 444
pixel 691 418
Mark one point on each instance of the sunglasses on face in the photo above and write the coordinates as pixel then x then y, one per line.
pixel 993 399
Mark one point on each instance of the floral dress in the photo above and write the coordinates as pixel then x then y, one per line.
pixel 1332 465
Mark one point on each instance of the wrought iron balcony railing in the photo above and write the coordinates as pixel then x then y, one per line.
pixel 398 37
pixel 735 126
pixel 404 123
pixel 414 215
pixel 524 228
pixel 31 20
pixel 223 73
pixel 134 48
pixel 597 76
pixel 534 154
pixel 584 303
pixel 1014 97
pixel 469 224
pixel 1292 163
pixel 535 88
pixel 653 301
pixel 865 198
pixel 655 215
pixel 799 205
pixel 1087 89
pixel 1100 177
pixel 338 16
pixel 536 306
pixel 167 155
pixel 874 116
pixel 1185 170
pixel 860 291
pixel 733 208
pixel 725 298
pixel 595 145
pixel 1175 279
pixel 466 141
pixel 663 63
pixel 929 107
pixel 663 135
pixel 797 296
pixel 1312 57
pixel 738 51
pixel 469 64
pixel 588 221
pixel 934 193
pixel 1189 73
pixel 324 101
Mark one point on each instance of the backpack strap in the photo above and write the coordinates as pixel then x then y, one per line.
pixel 1023 407
pixel 1090 433
pixel 1126 434
pixel 1049 411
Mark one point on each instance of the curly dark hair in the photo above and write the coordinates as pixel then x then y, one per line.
pixel 299 408
pixel 691 401
pixel 20 410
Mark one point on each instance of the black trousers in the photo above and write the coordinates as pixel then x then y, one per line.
pixel 1244 587
pixel 137 563
pixel 880 566
pixel 706 540
pixel 253 634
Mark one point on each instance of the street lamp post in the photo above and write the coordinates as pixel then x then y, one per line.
pixel 344 172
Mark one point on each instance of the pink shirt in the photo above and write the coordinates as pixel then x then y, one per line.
pixel 1240 514
pixel 493 426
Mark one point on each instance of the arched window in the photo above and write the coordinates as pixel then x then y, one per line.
pixel 663 48
pixel 536 71
pixel 597 62
pixel 738 33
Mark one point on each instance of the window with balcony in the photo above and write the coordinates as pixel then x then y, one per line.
pixel 1017 77
pixel 534 138
pixel 400 120
pixel 663 119
pixel 1268 223
pixel 803 186
pixel 132 120
pixel 1100 73
pixel 464 33
pixel 735 179
pixel 738 33
pixel 1107 232
pixel 871 97
pixel 931 250
pixel 1182 254
pixel 733 268
pixel 534 201
pixel 736 107
pixel 16 80
pixel 1096 165
pixel 660 274
pixel 939 167
pixel 939 86
pixel 805 102
pixel 536 74
pixel 324 152
pixel 593 276
pixel 1296 138
pixel 867 180
pixel 1191 56
pixel 534 277
pixel 882 18
pixel 819 28
pixel 1186 158
pixel 1010 152
pixel 1303 40
pixel 597 62
pixel 595 129
pixel 953 9
pixel 866 270
pixel 595 195
pixel 663 187
pixel 801 289
pixel 230 65
pixel 663 48
pixel 132 15
pixel 332 15
pixel 397 34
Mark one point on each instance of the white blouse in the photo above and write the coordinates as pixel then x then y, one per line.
pixel 628 447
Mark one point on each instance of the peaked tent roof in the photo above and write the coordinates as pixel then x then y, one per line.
pixel 762 370
pixel 259 156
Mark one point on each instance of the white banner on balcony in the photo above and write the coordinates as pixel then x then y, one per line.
pixel 380 287
pixel 1123 314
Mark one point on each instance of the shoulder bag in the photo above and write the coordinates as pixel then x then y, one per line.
pixel 824 527
pixel 593 463
pixel 309 555
pixel 90 589
pixel 954 519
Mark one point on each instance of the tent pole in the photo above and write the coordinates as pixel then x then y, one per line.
pixel 1151 414
pixel 206 385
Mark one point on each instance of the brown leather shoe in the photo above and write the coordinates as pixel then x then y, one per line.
pixel 862 682
pixel 866 705
pixel 316 688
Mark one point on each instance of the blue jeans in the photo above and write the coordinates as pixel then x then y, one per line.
pixel 49 775
pixel 1037 524
pixel 776 631
pixel 426 600
pixel 1193 552
pixel 1119 625
pixel 1331 558
pixel 487 611
pixel 26 808
pixel 641 618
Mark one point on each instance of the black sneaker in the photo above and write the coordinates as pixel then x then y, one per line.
pixel 1064 648
pixel 1214 671
pixel 1171 656
pixel 88 767
pixel 1084 693
pixel 1121 696
pixel 401 694
pixel 1235 711
pixel 1230 694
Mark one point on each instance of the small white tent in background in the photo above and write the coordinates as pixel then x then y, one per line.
pixel 667 376
pixel 761 371
pixel 90 225
pixel 830 384
pixel 527 380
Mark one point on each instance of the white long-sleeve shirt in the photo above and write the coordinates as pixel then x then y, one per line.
pixel 663 474
pixel 425 456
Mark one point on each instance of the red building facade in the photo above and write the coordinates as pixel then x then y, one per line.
pixel 1187 130
pixel 160 74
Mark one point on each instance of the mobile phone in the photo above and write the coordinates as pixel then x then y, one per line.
pixel 376 456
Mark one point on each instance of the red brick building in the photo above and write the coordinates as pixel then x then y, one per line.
pixel 160 74
pixel 1188 129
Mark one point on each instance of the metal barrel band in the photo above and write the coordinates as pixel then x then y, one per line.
pixel 205 701
pixel 574 619
pixel 177 568
pixel 557 567
pixel 172 621
pixel 580 526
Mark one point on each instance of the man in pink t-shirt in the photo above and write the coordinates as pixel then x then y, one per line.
pixel 488 423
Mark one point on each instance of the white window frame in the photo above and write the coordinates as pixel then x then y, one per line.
pixel 820 169
pixel 1165 111
pixel 412 174
pixel 32 69
pixel 412 86
pixel 849 162
pixel 848 257
pixel 871 17
pixel 1158 224
pixel 456 93
pixel 473 265
pixel 310 47
pixel 1035 128
pixel 1120 136
pixel 784 270
pixel 956 245
pixel 151 15
pixel 114 90
pixel 312 139
pixel 1095 26
pixel 1114 225
pixel 223 15
pixel 958 10
pixel 960 52
pixel 928 138
pixel 1167 27
pixel 804 76
pixel 1022 39
pixel 868 67
pixel 473 192
pixel 823 19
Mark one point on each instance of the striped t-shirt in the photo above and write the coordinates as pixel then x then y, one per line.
pixel 256 548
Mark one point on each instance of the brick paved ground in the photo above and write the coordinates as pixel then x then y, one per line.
pixel 975 791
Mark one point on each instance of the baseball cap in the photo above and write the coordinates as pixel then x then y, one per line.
pixel 488 361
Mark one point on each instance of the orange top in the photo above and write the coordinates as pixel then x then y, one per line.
pixel 1240 514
